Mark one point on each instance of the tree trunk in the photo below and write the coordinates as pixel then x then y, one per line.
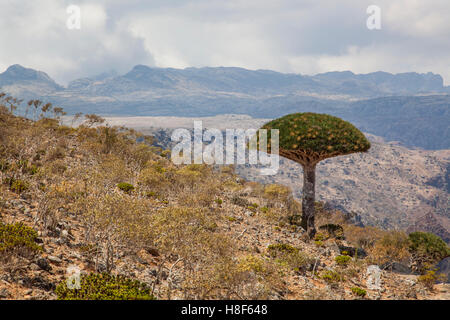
pixel 308 201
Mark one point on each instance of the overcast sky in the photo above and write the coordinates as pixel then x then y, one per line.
pixel 303 36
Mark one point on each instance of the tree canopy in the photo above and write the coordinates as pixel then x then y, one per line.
pixel 312 137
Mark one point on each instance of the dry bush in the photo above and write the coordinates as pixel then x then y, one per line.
pixel 247 278
pixel 362 237
pixel 392 247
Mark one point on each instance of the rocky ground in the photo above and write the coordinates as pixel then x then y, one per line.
pixel 63 248
pixel 391 186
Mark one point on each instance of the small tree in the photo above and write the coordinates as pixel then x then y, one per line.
pixel 308 138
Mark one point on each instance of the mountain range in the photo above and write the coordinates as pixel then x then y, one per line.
pixel 411 108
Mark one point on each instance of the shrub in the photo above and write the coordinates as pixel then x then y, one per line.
pixel 17 185
pixel 431 277
pixel 333 230
pixel 392 247
pixel 153 176
pixel 319 243
pixel 342 260
pixel 56 153
pixel 319 237
pixel 105 287
pixel 165 153
pixel 277 192
pixel 4 165
pixel 359 292
pixel 274 249
pixel 126 187
pixel 231 219
pixel 240 201
pixel 331 276
pixel 363 237
pixel 289 256
pixel 264 209
pixel 252 263
pixel 18 238
pixel 428 245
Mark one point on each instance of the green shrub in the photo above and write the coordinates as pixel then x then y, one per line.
pixel 319 243
pixel 342 260
pixel 359 292
pixel 319 236
pixel 18 238
pixel 4 165
pixel 165 153
pixel 431 277
pixel 333 230
pixel 32 169
pixel 275 249
pixel 289 256
pixel 126 187
pixel 105 287
pixel 331 276
pixel 428 245
pixel 17 185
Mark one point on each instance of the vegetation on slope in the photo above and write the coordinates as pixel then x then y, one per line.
pixel 103 198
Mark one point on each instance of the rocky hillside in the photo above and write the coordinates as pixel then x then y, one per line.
pixel 93 199
pixel 391 186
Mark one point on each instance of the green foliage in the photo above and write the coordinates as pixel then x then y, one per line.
pixel 430 277
pixel 331 276
pixel 126 187
pixel 4 165
pixel 18 237
pixel 342 260
pixel 17 185
pixel 428 245
pixel 274 249
pixel 276 192
pixel 105 287
pixel 288 255
pixel 319 243
pixel 165 153
pixel 252 263
pixel 314 133
pixel 319 236
pixel 359 292
pixel 333 230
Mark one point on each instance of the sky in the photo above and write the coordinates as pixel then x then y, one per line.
pixel 302 36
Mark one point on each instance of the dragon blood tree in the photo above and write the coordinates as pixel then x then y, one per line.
pixel 308 138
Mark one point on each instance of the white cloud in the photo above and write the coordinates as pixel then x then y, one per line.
pixel 285 35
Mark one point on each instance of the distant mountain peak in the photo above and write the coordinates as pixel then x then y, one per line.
pixel 17 73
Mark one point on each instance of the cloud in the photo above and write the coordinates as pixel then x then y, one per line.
pixel 34 34
pixel 286 35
